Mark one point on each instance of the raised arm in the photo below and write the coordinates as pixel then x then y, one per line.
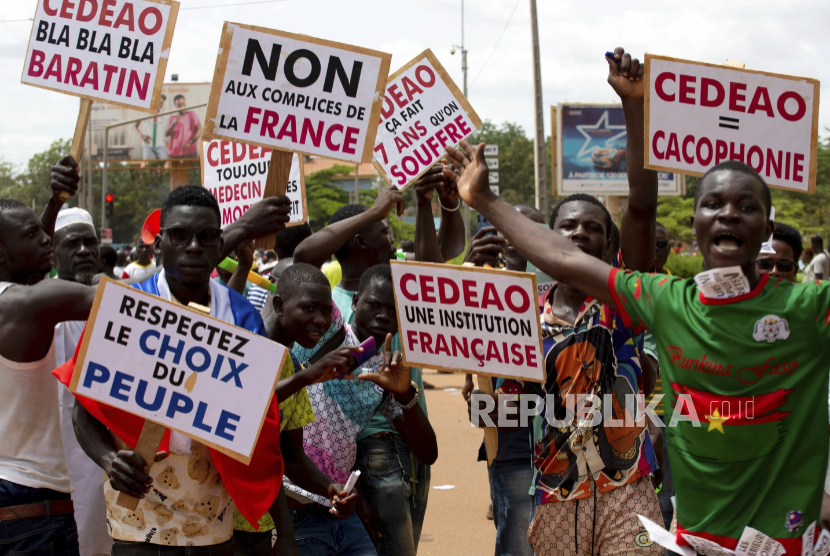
pixel 319 248
pixel 245 260
pixel 555 255
pixel 637 234
pixel 427 247
pixel 265 217
pixel 65 179
pixel 451 230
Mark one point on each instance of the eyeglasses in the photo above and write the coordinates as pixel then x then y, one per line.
pixel 208 237
pixel 661 243
pixel 767 265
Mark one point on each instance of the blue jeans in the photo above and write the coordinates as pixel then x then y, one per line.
pixel 37 536
pixel 384 465
pixel 512 505
pixel 129 548
pixel 318 533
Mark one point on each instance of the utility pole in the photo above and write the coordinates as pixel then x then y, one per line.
pixel 466 210
pixel 541 167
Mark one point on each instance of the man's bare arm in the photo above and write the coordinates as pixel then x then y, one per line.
pixel 264 218
pixel 427 247
pixel 64 180
pixel 551 252
pixel 319 247
pixel 637 234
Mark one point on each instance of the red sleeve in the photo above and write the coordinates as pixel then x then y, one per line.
pixel 618 301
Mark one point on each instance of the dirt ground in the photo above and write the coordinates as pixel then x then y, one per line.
pixel 455 520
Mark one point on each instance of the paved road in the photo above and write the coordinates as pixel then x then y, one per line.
pixel 455 521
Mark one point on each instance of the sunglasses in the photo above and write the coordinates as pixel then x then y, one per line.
pixel 767 265
pixel 208 237
pixel 661 243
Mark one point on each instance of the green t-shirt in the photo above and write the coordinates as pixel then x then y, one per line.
pixel 343 299
pixel 755 372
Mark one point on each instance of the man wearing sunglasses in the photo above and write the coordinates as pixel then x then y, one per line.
pixel 191 243
pixel 663 248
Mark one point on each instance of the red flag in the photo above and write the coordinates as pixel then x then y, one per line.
pixel 252 487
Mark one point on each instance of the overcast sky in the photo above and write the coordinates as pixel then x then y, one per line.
pixel 784 37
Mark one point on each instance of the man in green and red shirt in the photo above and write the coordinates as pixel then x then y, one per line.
pixel 741 353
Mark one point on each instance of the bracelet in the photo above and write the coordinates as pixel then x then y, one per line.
pixel 414 399
pixel 449 209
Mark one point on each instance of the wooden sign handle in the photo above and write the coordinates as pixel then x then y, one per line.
pixel 491 434
pixel 147 448
pixel 276 183
pixel 76 151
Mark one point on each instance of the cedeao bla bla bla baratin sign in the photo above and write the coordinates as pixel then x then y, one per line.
pixel 423 112
pixel 296 93
pixel 475 320
pixel 236 173
pixel 699 115
pixel 177 367
pixel 113 51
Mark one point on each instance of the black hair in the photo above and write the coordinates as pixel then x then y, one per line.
pixel 190 196
pixel 789 235
pixel 108 255
pixel 614 238
pixel 660 225
pixel 177 97
pixel 296 276
pixel 588 199
pixel 289 238
pixel 407 246
pixel 379 273
pixel 817 240
pixel 534 210
pixel 737 166
pixel 343 213
pixel 8 205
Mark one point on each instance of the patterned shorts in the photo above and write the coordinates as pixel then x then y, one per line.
pixel 603 525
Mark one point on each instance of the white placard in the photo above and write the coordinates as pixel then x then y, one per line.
pixel 445 312
pixel 494 189
pixel 493 178
pixel 423 112
pixel 114 51
pixel 492 163
pixel 296 93
pixel 698 115
pixel 177 367
pixel 235 173
pixel 491 150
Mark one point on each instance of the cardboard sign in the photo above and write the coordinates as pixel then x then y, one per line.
pixel 698 115
pixel 177 367
pixel 296 93
pixel 423 112
pixel 469 319
pixel 235 173
pixel 114 51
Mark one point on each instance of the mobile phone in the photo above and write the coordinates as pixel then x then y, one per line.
pixel 484 223
pixel 369 351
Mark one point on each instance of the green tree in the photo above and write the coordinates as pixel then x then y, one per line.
pixel 324 198
pixel 516 173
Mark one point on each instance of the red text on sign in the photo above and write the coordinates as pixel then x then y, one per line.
pixel 148 20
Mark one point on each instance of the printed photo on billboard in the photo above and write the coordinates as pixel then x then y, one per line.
pixel 591 148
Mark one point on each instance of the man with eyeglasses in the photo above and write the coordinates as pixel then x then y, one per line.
pixel 184 499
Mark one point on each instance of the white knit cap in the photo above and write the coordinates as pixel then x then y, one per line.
pixel 69 216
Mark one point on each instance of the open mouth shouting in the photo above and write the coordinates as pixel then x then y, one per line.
pixel 727 242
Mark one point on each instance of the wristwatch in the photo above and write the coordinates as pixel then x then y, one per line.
pixel 414 399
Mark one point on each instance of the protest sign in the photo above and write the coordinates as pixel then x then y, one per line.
pixel 296 93
pixel 589 143
pixel 178 368
pixel 468 319
pixel 423 112
pixel 114 51
pixel 698 115
pixel 235 173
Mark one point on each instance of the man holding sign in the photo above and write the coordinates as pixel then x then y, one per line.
pixel 187 494
pixel 735 336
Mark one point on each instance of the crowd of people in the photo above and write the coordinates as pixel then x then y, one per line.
pixel 616 326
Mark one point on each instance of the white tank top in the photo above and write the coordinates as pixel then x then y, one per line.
pixel 31 447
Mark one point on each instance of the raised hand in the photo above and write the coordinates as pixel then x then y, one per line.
pixel 473 181
pixel 388 198
pixel 485 248
pixel 428 182
pixel 625 74
pixel 393 376
pixel 65 179
pixel 266 217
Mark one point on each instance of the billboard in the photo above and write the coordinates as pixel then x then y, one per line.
pixel 174 136
pixel 590 152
